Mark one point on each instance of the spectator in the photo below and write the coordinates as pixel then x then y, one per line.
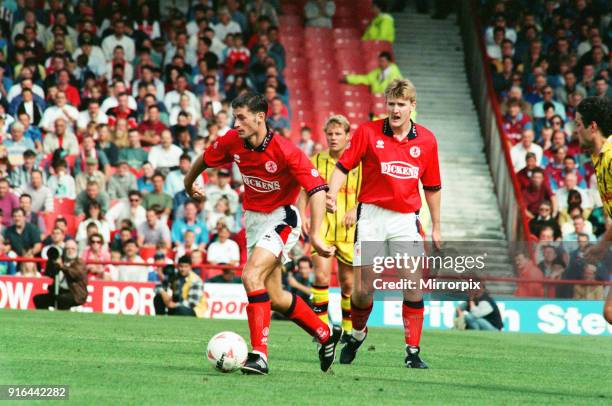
pixel 188 297
pixel 89 150
pixel 480 312
pixel 544 219
pixel 224 251
pixel 58 241
pixel 527 272
pixel 579 229
pixel 516 122
pixel 188 245
pixel 382 26
pixel 225 25
pixel 219 188
pixel 221 213
pixel 276 119
pixel 7 267
pixel 96 251
pixel 125 234
pixel 165 156
pixel 8 202
pixel 92 114
pixel 153 232
pixel 319 13
pixel 602 89
pixel 589 292
pixel 524 175
pixel 562 194
pixel 499 22
pixel 61 110
pixel 547 97
pixel 18 144
pixel 570 86
pixel 95 215
pixel 23 237
pixel 30 131
pixel 134 155
pixel 90 194
pixel 377 79
pixel 106 145
pixel 41 195
pixel 60 139
pixel 174 182
pixel 22 174
pixel 189 222
pixel 121 182
pixel 129 208
pixel 228 275
pixel 132 273
pixel 519 152
pixel 549 257
pixel 25 202
pixel 119 38
pixel 536 193
pixel 152 126
pixel 91 174
pixel 158 197
pixel 145 182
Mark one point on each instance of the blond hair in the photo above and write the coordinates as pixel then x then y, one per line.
pixel 401 89
pixel 338 119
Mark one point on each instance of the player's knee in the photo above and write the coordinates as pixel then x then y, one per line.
pixel 251 278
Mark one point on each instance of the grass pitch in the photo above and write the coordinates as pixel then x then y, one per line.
pixel 108 359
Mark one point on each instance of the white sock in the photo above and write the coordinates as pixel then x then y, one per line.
pixel 359 334
pixel 264 356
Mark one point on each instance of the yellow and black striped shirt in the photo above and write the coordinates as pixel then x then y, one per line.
pixel 333 227
pixel 603 170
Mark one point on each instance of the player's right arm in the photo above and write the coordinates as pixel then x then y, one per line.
pixel 194 191
pixel 215 155
pixel 350 158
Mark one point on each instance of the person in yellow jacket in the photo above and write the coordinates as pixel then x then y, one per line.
pixel 186 297
pixel 382 26
pixel 378 79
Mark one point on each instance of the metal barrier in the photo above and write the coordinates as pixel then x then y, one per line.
pixel 509 195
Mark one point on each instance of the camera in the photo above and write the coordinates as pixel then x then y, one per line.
pixel 171 275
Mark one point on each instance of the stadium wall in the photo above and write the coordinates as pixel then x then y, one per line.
pixel 228 301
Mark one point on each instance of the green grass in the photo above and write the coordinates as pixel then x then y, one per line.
pixel 145 360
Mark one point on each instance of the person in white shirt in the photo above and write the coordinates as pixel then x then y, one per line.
pixel 129 208
pixel 184 105
pixel 173 98
pixel 61 183
pixel 520 150
pixel 112 102
pixel 571 183
pixel 166 154
pixel 61 138
pixel 225 25
pixel 17 88
pixel 119 60
pixel 92 114
pixel 61 110
pixel 146 76
pixel 119 38
pixel 132 273
pixel 224 250
pixel 222 187
pixel 96 60
pixel 500 22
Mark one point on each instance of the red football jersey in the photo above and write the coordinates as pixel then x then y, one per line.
pixel 273 173
pixel 392 169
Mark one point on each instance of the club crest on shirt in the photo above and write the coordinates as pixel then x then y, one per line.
pixel 380 144
pixel 271 166
pixel 415 152
pixel 314 173
pixel 399 170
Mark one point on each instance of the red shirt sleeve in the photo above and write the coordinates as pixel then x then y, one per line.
pixel 430 178
pixel 355 151
pixel 303 170
pixel 217 153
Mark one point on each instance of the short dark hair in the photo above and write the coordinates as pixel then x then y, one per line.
pixel 598 110
pixel 386 55
pixel 305 259
pixel 255 102
pixel 185 259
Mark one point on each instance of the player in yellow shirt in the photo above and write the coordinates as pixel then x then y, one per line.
pixel 338 228
pixel 594 128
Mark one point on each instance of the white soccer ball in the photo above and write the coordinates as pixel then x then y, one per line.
pixel 227 351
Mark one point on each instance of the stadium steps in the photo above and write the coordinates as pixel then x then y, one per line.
pixel 430 53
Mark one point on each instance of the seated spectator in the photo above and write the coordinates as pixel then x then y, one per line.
pixel 106 145
pixel 8 202
pixel 544 219
pixel 145 182
pixel 566 217
pixel 227 276
pixel 92 114
pixel 527 272
pixel 25 202
pixel 23 237
pixel 580 228
pixel 7 267
pixel 224 251
pixel 519 152
pixel 536 193
pixel 153 232
pixel 589 292
pixel 60 139
pixel 549 257
pixel 125 234
pixel 382 26
pixel 157 197
pixel 90 194
pixel 22 174
pixel 276 120
pixel 515 122
pixel 28 104
pixel 91 173
pixel 306 143
pixel 96 250
pixel 122 111
pixel 221 213
pixel 562 194
pixel 95 215
pixel 188 298
pixel 524 175
pixel 18 144
pixel 189 222
pixel 377 79
pixel 61 183
pixel 129 208
pixel 60 110
pixel 132 273
pixel 28 270
pixel 319 13
pixel 188 245
pixel 554 166
pixel 515 93
pixel 89 150
pixel 58 241
pixel 152 126
pixel 547 97
pixel 480 311
pixel 41 195
pixel 569 86
pixel 134 155
pixel 166 155
pixel 120 184
pixel 174 181
pixel 219 187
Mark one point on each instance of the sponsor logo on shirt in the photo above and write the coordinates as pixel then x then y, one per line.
pixel 271 166
pixel 380 144
pixel 399 170
pixel 415 152
pixel 260 185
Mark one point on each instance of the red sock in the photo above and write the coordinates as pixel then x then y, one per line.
pixel 303 316
pixel 258 313
pixel 360 315
pixel 412 314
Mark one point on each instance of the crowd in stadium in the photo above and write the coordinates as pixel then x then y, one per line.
pixel 105 104
pixel 545 58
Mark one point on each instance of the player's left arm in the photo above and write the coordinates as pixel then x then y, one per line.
pixel 432 185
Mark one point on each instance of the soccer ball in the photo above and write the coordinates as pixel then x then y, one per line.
pixel 227 351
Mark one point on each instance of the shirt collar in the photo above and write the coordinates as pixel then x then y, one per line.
pixel 262 147
pixel 412 134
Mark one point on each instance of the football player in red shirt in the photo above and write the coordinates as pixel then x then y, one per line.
pixel 273 170
pixel 395 155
